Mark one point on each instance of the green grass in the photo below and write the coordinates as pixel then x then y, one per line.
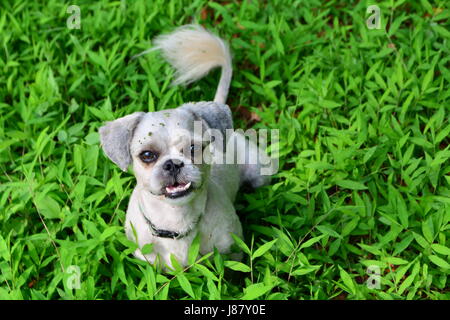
pixel 364 126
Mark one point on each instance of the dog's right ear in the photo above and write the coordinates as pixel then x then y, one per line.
pixel 216 115
pixel 115 138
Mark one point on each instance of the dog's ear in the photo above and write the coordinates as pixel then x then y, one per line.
pixel 115 138
pixel 216 115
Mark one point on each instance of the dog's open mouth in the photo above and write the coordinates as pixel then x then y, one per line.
pixel 178 190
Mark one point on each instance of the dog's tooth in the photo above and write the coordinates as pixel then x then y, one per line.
pixel 186 186
pixel 178 188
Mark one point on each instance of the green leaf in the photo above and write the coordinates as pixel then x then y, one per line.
pixel 330 104
pixel 349 184
pixel 78 157
pixel 254 291
pixel 349 227
pixel 48 207
pixel 237 266
pixel 348 281
pixel 409 280
pixel 263 249
pixel 319 165
pixel 369 154
pixel 194 249
pixel 421 240
pixel 214 293
pixel 427 79
pixel 305 270
pixel 164 293
pixel 109 232
pixel 175 264
pixel 241 244
pixel 206 272
pixel 334 246
pixel 444 133
pixel 328 231
pixel 4 252
pixel 92 138
pixel 395 261
pixel 402 245
pixel 441 249
pixel 441 30
pixel 428 229
pixel 185 285
pixel 422 142
pixel 402 212
pixel 311 241
pixel 439 261
pixel 147 248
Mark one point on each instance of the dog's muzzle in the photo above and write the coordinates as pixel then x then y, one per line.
pixel 177 189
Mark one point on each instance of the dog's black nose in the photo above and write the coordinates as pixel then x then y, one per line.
pixel 173 166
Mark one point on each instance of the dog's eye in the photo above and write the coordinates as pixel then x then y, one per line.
pixel 148 156
pixel 196 148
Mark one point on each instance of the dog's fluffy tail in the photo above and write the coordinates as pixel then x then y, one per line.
pixel 193 52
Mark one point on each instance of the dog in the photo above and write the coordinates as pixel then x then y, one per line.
pixel 176 196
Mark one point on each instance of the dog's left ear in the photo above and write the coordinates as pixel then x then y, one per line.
pixel 216 115
pixel 115 138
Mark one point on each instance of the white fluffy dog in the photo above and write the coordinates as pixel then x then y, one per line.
pixel 178 194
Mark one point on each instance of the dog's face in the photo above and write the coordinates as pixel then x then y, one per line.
pixel 165 150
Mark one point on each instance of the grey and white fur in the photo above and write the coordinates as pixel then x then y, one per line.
pixel 174 193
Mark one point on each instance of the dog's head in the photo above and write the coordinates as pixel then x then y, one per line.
pixel 166 147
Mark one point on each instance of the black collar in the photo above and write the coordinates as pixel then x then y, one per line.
pixel 166 233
